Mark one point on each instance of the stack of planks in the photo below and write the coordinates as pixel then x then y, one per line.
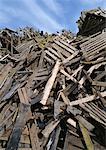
pixel 52 91
pixel 92 21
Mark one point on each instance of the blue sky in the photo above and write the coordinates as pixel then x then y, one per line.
pixel 47 15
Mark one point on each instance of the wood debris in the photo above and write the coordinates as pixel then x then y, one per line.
pixel 53 88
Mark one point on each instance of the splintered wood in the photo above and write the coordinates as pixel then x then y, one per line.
pixel 52 90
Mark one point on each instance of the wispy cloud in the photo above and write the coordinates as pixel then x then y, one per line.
pixel 54 6
pixel 32 13
pixel 41 16
pixel 101 3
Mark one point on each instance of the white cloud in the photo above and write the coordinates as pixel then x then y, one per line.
pixel 7 15
pixel 95 3
pixel 46 22
pixel 31 13
pixel 54 6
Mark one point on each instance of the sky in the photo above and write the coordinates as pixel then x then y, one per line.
pixel 47 15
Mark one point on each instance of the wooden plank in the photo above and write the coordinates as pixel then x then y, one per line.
pixel 86 137
pixel 98 83
pixel 65 47
pixel 51 55
pixel 68 45
pixel 50 83
pixel 102 117
pixel 55 140
pixel 53 51
pixel 17 130
pixel 24 139
pixel 70 57
pixel 1 59
pixel 49 128
pixel 34 137
pixel 4 73
pixel 23 114
pixel 49 60
pixel 86 99
pixel 62 52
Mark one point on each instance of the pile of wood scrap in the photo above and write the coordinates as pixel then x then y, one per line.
pixel 92 21
pixel 52 91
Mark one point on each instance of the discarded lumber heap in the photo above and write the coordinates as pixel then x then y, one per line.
pixel 53 89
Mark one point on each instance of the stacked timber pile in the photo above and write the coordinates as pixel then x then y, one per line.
pixel 92 21
pixel 52 91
